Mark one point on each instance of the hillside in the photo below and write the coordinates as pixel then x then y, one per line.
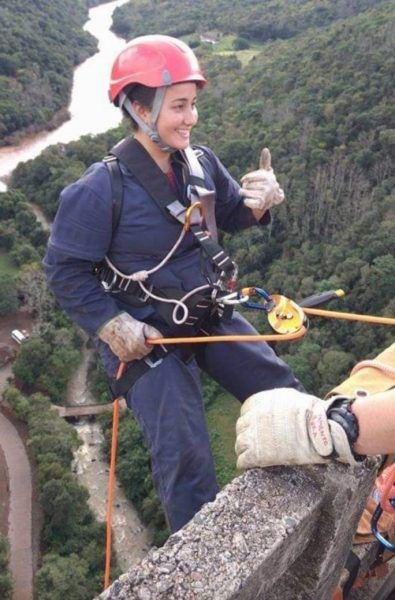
pixel 313 81
pixel 248 19
pixel 321 101
pixel 40 44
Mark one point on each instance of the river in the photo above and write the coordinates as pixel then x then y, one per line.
pixel 90 110
pixel 131 538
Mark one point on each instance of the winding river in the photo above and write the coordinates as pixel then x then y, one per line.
pixel 90 113
pixel 90 110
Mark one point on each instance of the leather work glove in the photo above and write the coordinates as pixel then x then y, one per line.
pixel 260 188
pixel 127 337
pixel 286 427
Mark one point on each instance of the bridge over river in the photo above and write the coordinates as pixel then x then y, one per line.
pixel 85 410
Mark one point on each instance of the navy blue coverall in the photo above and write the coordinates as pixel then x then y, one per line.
pixel 167 400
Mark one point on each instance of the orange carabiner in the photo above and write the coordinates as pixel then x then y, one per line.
pixel 188 214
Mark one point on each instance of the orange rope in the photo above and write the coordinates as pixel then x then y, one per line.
pixel 111 481
pixel 115 418
pixel 230 338
pixel 389 483
pixel 318 312
pixel 385 484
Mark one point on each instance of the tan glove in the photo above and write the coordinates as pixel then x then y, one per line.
pixel 127 337
pixel 284 426
pixel 260 188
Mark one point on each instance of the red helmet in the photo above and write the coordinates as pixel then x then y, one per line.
pixel 154 61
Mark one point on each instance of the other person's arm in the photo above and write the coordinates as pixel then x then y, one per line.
pixel 284 426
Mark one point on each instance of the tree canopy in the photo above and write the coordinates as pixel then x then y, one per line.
pixel 40 44
pixel 315 87
pixel 9 302
pixel 5 575
pixel 320 100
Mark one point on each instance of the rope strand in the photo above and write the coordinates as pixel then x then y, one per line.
pixel 318 312
pixel 111 482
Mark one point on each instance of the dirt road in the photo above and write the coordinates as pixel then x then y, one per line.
pixel 131 539
pixel 19 504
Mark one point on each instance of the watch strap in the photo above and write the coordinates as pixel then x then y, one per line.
pixel 340 412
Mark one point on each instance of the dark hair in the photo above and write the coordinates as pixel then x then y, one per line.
pixel 142 94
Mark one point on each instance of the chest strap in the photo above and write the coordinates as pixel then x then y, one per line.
pixel 197 191
pixel 137 160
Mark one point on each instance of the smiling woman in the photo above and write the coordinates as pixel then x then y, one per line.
pixel 160 268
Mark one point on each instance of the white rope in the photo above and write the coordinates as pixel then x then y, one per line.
pixel 142 275
pixel 375 364
pixel 198 289
pixel 179 304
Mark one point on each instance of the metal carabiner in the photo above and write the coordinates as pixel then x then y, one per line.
pixel 233 298
pixel 374 522
pixel 268 302
pixel 189 211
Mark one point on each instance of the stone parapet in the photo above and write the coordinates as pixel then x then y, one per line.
pixel 279 532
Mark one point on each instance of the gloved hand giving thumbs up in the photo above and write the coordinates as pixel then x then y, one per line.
pixel 261 189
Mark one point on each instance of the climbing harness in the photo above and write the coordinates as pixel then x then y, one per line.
pixel 193 308
pixel 284 315
pixel 141 276
pixel 385 486
pixel 188 313
pixel 367 378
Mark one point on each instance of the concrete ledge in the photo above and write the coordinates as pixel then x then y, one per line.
pixel 317 571
pixel 279 532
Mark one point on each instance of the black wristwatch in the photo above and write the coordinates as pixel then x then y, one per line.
pixel 340 412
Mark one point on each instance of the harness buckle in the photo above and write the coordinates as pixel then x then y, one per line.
pixel 152 363
pixel 108 286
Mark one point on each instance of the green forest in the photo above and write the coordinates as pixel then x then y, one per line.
pixel 40 44
pixel 5 576
pixel 311 80
pixel 249 19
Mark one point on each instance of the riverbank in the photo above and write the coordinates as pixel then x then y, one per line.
pixel 20 136
pixel 90 84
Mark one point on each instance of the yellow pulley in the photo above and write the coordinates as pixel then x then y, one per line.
pixel 286 316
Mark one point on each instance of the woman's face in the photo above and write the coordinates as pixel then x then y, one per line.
pixel 178 115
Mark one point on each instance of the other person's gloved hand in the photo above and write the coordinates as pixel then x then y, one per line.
pixel 284 426
pixel 260 188
pixel 127 337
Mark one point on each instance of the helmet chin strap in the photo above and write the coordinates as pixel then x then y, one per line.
pixel 150 129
